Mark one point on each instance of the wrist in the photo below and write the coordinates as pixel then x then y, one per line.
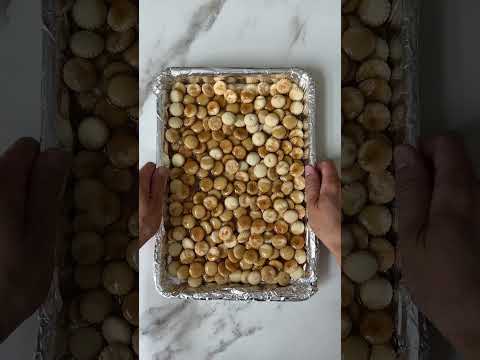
pixel 334 244
pixel 337 254
pixel 334 247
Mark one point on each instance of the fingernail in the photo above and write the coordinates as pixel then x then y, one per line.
pixel 309 170
pixel 324 164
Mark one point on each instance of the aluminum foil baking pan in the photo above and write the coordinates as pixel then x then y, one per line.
pixel 411 326
pixel 301 289
pixel 49 314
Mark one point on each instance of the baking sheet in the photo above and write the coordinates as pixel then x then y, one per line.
pixel 301 289
pixel 49 313
pixel 56 132
pixel 412 335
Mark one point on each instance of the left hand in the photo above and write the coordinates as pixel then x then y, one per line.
pixel 153 183
pixel 31 196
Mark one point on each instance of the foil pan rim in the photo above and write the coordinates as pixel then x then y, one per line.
pixel 412 327
pixel 48 313
pixel 301 289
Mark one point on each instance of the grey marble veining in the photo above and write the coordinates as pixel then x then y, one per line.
pixel 297 25
pixel 176 323
pixel 201 21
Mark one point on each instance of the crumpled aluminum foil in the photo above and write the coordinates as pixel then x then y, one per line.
pixel 49 314
pixel 301 289
pixel 411 326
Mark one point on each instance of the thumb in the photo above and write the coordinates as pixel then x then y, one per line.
pixel 45 198
pixel 413 192
pixel 330 178
pixel 145 179
pixel 159 183
pixel 313 182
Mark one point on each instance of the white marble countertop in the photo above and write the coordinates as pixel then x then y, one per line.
pixel 248 33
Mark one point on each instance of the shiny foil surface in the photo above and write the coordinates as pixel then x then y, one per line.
pixel 298 290
pixel 412 328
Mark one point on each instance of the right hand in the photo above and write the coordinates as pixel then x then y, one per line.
pixel 439 233
pixel 323 190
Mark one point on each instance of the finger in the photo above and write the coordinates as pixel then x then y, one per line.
pixel 158 190
pixel 141 241
pixel 15 166
pixel 413 192
pixel 312 185
pixel 17 162
pixel 330 178
pixel 45 200
pixel 145 179
pixel 21 148
pixel 45 193
pixel 149 223
pixel 159 182
pixel 453 174
pixel 152 188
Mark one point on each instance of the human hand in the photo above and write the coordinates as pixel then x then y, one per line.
pixel 323 205
pixel 31 196
pixel 153 183
pixel 439 231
